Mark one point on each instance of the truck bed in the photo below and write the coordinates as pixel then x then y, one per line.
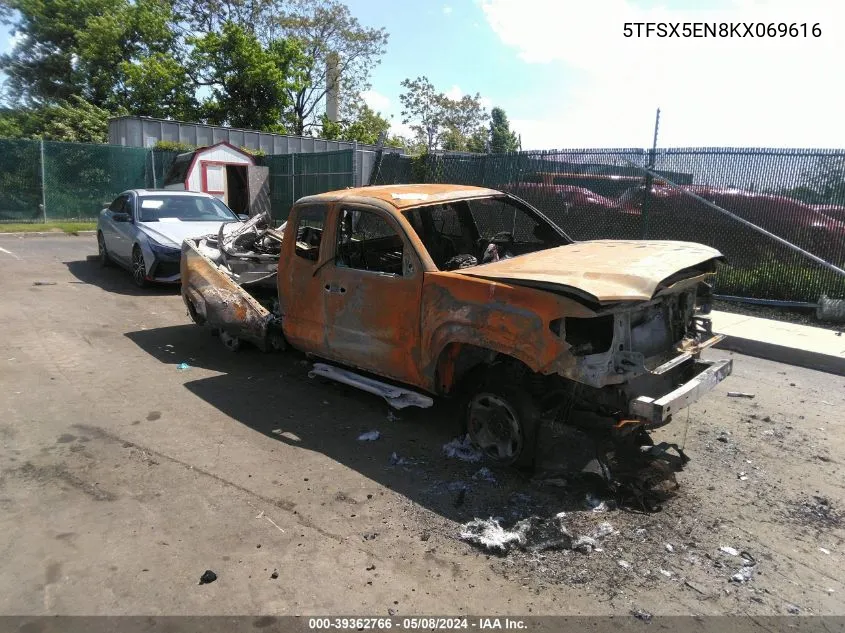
pixel 236 297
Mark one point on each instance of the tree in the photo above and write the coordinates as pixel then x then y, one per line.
pixel 438 121
pixel 250 83
pixel 75 120
pixel 257 17
pixel 124 51
pixel 44 64
pixel 364 126
pixel 465 115
pixel 159 86
pixel 501 138
pixel 825 184
pixel 69 47
pixel 452 140
pixel 423 110
pixel 253 63
pixel 325 29
pixel 828 179
pixel 12 123
pixel 479 141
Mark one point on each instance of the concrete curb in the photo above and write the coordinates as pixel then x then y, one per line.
pixel 47 233
pixel 783 354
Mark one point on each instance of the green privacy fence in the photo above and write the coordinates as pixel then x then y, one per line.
pixel 49 181
pixel 293 176
pixel 796 194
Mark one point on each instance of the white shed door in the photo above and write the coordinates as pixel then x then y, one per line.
pixel 215 180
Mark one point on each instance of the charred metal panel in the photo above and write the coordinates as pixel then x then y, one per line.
pixel 511 320
pixel 214 299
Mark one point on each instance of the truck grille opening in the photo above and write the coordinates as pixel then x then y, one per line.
pixel 658 328
pixel 589 336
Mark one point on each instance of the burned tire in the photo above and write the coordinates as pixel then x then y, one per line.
pixel 502 421
pixel 231 343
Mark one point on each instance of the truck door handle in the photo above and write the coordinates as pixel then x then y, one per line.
pixel 335 290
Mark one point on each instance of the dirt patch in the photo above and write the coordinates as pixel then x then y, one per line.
pixel 814 511
pixel 58 473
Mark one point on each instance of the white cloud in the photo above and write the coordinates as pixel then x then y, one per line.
pixel 376 100
pixel 456 94
pixel 398 128
pixel 739 91
pixel 14 40
pixel 447 10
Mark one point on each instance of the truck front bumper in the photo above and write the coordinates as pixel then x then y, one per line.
pixel 705 376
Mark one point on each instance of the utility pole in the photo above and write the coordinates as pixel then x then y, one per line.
pixel 649 180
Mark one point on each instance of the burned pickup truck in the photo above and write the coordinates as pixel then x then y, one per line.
pixel 418 291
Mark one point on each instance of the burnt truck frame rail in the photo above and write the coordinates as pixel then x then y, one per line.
pixel 466 292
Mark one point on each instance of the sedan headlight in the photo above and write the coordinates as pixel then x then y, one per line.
pixel 164 251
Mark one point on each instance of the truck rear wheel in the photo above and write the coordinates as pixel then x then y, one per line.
pixel 502 421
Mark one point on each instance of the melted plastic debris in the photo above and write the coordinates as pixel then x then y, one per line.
pixel 533 533
pixel 484 474
pixel 463 449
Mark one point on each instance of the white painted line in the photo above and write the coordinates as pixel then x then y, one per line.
pixel 9 252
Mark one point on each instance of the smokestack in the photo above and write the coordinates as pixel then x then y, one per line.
pixel 332 86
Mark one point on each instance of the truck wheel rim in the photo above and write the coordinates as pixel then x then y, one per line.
pixel 494 427
pixel 231 342
pixel 139 271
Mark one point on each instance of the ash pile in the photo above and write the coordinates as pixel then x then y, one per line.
pixel 248 252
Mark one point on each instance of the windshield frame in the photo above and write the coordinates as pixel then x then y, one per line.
pixel 213 200
pixel 531 211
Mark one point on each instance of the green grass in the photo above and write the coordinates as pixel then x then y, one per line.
pixel 67 227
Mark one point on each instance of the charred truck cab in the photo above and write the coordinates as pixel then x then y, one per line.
pixel 414 291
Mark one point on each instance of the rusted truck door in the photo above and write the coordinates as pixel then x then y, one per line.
pixel 371 291
pixel 300 293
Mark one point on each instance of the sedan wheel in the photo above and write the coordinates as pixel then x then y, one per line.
pixel 139 268
pixel 105 260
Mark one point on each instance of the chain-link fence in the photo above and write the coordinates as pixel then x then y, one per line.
pixel 57 182
pixel 293 176
pixel 53 181
pixel 797 195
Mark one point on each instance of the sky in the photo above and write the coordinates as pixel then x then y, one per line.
pixel 568 78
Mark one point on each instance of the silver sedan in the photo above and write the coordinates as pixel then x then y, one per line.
pixel 143 230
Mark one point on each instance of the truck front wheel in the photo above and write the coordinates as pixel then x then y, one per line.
pixel 502 420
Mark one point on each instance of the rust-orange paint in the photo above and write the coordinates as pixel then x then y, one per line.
pixel 412 328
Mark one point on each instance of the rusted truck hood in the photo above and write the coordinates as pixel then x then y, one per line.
pixel 606 270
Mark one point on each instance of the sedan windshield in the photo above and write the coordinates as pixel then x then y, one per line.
pixel 183 209
pixel 478 231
